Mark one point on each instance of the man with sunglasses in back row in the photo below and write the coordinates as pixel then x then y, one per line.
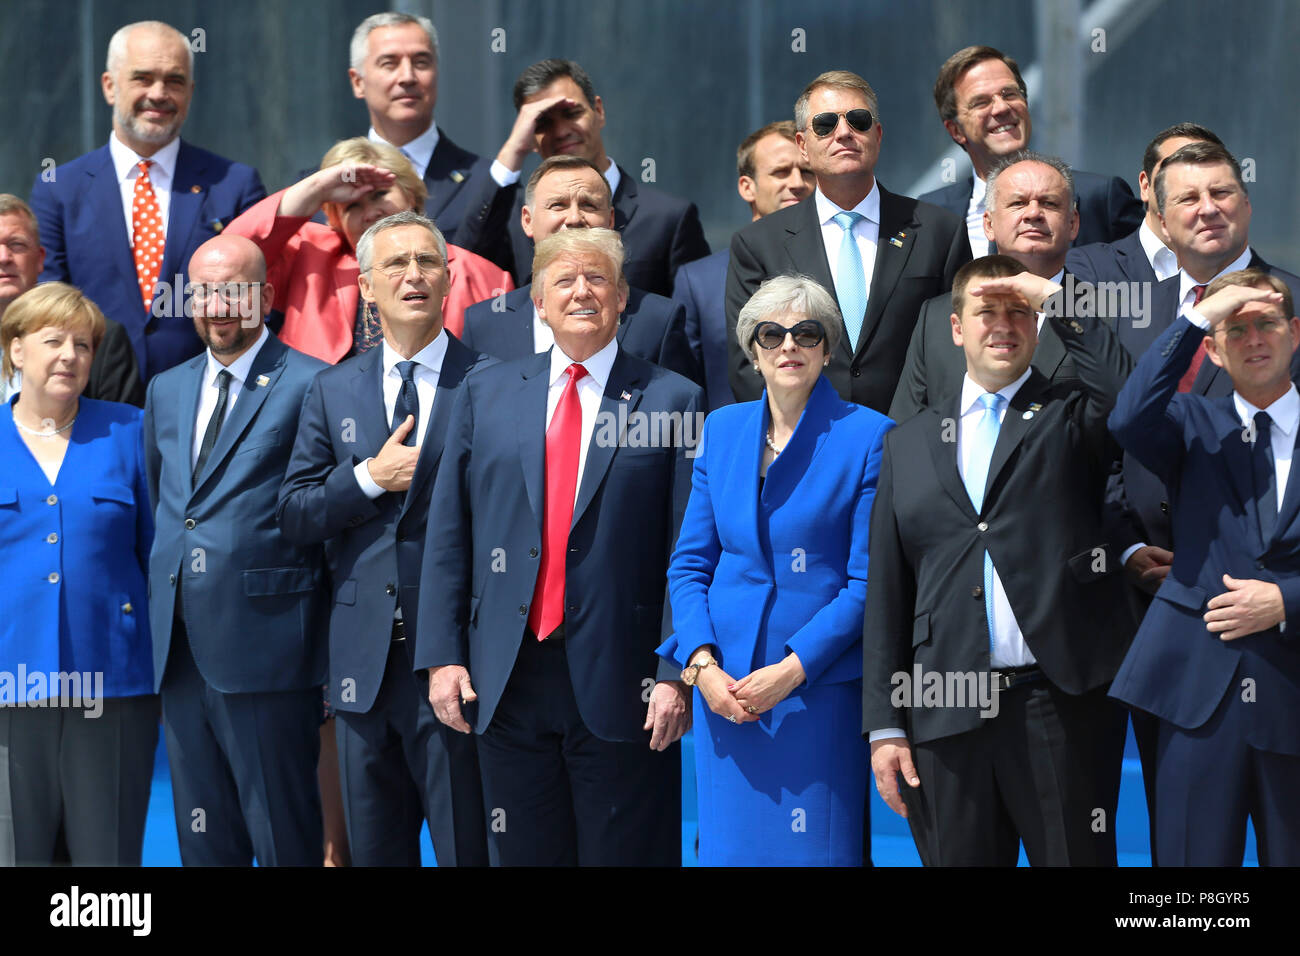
pixel 881 255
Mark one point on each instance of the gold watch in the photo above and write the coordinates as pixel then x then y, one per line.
pixel 691 673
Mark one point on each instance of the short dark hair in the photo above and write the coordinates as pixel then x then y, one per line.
pixel 1178 131
pixel 1195 154
pixel 545 72
pixel 745 154
pixel 945 87
pixel 1256 279
pixel 562 161
pixel 985 267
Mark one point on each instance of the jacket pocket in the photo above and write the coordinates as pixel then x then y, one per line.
pixel 8 496
pixel 1175 592
pixel 109 492
pixel 268 581
pixel 347 592
pixel 1093 564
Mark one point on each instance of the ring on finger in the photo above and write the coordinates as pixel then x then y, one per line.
pixel 732 718
pixel 751 709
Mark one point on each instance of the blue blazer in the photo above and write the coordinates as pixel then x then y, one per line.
pixel 254 602
pixel 651 327
pixel 700 288
pixel 88 244
pixel 797 580
pixel 1175 668
pixel 482 552
pixel 375 545
pixel 1108 210
pixel 73 556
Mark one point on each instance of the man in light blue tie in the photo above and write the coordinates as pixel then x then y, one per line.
pixel 994 608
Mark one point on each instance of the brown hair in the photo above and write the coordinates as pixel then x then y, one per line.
pixel 985 267
pixel 745 154
pixel 945 87
pixel 54 304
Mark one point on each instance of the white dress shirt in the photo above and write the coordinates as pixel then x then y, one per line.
pixel 543 337
pixel 504 176
pixel 238 370
pixel 1162 259
pixel 419 150
pixel 590 389
pixel 428 366
pixel 979 243
pixel 866 231
pixel 161 174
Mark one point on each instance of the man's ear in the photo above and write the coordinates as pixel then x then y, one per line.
pixel 955 319
pixel 748 189
pixel 106 85
pixel 1074 220
pixel 988 226
pixel 954 130
pixel 802 143
pixel 526 220
pixel 367 290
pixel 268 296
pixel 1212 349
pixel 358 84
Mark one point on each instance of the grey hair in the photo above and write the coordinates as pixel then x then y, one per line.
pixel 1028 156
pixel 790 295
pixel 605 242
pixel 836 80
pixel 117 43
pixel 366 244
pixel 390 18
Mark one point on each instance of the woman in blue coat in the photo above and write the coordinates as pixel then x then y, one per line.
pixel 768 585
pixel 78 719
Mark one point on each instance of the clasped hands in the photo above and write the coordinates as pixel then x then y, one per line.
pixel 745 700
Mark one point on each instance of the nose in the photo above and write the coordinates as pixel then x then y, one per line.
pixel 405 71
pixel 1207 206
pixel 573 217
pixel 6 254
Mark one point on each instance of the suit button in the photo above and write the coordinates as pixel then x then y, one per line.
pixel 52 500
pixel 857 373
pixel 355 520
pixel 52 538
pixel 54 577
pixel 572 608
pixel 127 608
pixel 523 609
pixel 389 589
pixel 171 579
pixel 982 526
pixel 189 524
pixel 1164 507
pixel 1259 565
pixel 977 591
pixel 532 552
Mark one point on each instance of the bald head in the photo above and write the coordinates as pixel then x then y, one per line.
pixel 230 296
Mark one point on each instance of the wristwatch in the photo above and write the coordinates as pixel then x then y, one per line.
pixel 692 672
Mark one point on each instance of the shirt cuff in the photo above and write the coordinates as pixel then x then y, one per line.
pixel 886 734
pixel 1195 317
pixel 368 486
pixel 1130 551
pixel 502 176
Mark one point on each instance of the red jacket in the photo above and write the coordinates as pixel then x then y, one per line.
pixel 314 273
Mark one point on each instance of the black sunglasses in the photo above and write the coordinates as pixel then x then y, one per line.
pixel 823 124
pixel 771 335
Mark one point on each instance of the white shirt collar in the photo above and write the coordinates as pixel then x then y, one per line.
pixel 1285 411
pixel 419 150
pixel 1186 283
pixel 125 159
pixel 238 369
pixel 971 390
pixel 977 192
pixel 598 366
pixel 430 356
pixel 613 176
pixel 1153 246
pixel 869 207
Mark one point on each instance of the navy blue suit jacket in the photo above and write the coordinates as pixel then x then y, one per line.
pixel 1176 669
pixel 701 288
pixel 482 554
pixel 651 327
pixel 88 243
pixel 253 600
pixel 374 545
pixel 1123 260
pixel 1108 210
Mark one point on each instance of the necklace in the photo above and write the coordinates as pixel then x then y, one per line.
pixel 50 433
pixel 771 444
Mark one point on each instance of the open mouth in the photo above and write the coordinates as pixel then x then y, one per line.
pixel 1004 128
pixel 583 312
pixel 415 297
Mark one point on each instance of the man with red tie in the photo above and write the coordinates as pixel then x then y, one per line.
pixel 543 582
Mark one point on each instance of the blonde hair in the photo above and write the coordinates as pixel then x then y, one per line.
pixel 567 242
pixel 359 149
pixel 54 304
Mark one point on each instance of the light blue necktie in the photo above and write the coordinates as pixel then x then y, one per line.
pixel 983 438
pixel 850 284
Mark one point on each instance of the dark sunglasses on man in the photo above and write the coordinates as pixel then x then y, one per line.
pixel 823 124
pixel 771 335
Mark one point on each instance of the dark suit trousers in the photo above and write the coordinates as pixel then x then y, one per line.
pixel 243 769
pixel 1045 770
pixel 400 766
pixel 89 773
pixel 558 795
pixel 1210 781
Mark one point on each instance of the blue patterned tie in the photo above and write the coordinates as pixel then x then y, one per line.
pixel 850 284
pixel 983 438
pixel 408 401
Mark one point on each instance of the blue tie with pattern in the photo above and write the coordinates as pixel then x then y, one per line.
pixel 983 437
pixel 408 401
pixel 850 284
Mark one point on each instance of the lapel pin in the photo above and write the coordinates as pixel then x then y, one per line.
pixel 625 396
pixel 263 381
pixel 194 188
pixel 895 241
pixel 1033 407
pixel 457 176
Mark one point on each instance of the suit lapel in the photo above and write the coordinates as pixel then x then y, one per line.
pixel 625 202
pixel 441 177
pixel 188 194
pixel 1236 454
pixel 895 223
pixel 455 364
pixel 106 200
pixel 189 409
pixel 943 453
pixel 1016 423
pixel 1050 351
pixel 622 381
pixel 1291 499
pixel 262 376
pixel 530 416
pixel 807 253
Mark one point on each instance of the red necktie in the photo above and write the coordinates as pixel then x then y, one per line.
pixel 563 444
pixel 1185 383
pixel 146 234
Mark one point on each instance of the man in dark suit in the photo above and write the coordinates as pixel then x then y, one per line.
pixel 114 375
pixel 994 612
pixel 122 231
pixel 236 610
pixel 984 105
pixel 880 254
pixel 568 192
pixel 394 68
pixel 1142 255
pixel 543 586
pixel 1216 659
pixel 560 113
pixel 771 175
pixel 1032 218
pixel 362 486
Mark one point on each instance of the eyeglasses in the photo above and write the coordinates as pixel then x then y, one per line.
pixel 823 124
pixel 1008 94
pixel 228 292
pixel 771 335
pixel 1264 326
pixel 426 262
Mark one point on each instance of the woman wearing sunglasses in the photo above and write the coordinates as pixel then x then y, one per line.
pixel 768 586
